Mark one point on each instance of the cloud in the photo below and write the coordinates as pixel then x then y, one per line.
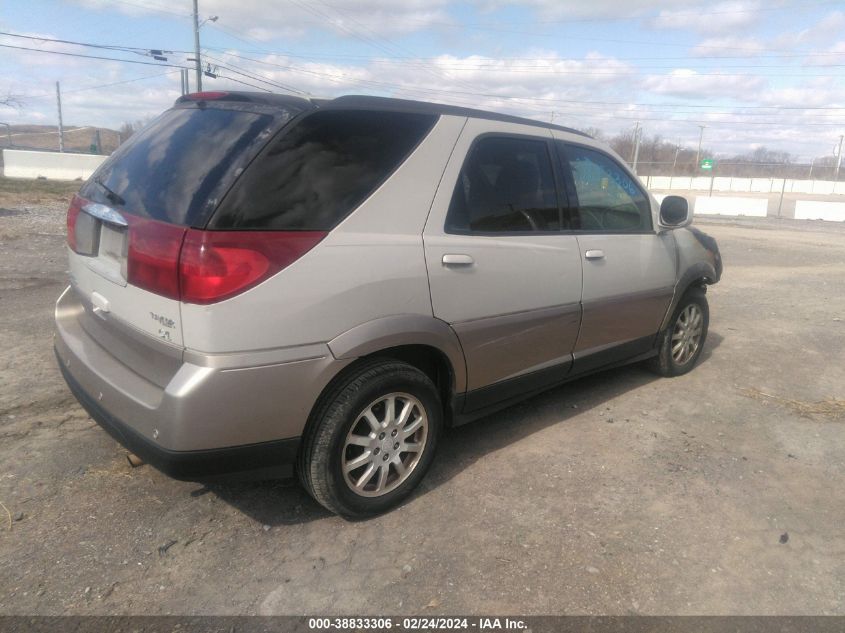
pixel 718 18
pixel 827 29
pixel 728 46
pixel 690 84
pixel 260 20
pixel 579 10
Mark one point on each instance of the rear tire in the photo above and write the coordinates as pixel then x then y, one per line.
pixel 371 438
pixel 682 342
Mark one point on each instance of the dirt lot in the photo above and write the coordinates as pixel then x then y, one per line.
pixel 717 492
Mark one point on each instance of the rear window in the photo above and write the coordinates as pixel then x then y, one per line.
pixel 175 169
pixel 321 169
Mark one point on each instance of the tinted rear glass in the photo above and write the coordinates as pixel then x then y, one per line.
pixel 174 169
pixel 321 169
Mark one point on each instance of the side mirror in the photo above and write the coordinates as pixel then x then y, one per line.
pixel 675 212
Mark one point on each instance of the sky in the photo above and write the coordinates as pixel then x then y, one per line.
pixel 756 73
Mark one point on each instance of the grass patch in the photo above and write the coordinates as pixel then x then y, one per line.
pixel 22 191
pixel 830 408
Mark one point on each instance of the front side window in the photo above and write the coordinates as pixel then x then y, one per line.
pixel 506 185
pixel 320 170
pixel 608 198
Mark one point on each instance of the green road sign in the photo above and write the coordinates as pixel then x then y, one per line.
pixel 708 163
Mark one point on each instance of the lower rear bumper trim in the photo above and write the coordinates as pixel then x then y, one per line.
pixel 265 460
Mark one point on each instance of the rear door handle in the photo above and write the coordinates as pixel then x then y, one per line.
pixel 457 260
pixel 594 254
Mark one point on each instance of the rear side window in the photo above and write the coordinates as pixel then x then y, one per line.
pixel 608 198
pixel 174 168
pixel 506 185
pixel 321 169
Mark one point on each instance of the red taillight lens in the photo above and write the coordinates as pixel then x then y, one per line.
pixel 216 265
pixel 153 258
pixel 72 214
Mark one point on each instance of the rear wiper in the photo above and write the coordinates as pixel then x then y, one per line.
pixel 111 195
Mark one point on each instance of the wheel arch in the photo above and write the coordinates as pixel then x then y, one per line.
pixel 416 339
pixel 699 275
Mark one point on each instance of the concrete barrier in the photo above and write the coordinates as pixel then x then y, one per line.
pixel 761 185
pixel 816 210
pixel 745 185
pixel 724 205
pixel 53 165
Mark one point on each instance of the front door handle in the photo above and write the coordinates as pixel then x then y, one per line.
pixel 457 260
pixel 594 254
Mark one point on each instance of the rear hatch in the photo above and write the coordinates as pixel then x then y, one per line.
pixel 128 224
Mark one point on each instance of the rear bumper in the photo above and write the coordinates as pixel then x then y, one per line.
pixel 266 459
pixel 198 416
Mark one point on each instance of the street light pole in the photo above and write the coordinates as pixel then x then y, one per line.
pixel 838 158
pixel 197 59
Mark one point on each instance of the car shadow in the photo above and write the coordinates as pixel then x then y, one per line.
pixel 285 502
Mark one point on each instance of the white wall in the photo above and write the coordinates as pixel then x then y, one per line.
pixel 816 210
pixel 745 185
pixel 725 205
pixel 53 165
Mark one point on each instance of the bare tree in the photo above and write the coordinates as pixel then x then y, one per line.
pixel 11 101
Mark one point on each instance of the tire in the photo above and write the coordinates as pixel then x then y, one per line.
pixel 340 436
pixel 692 306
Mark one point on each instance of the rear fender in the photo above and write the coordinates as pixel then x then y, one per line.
pixel 404 329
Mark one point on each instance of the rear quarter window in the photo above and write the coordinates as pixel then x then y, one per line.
pixel 320 169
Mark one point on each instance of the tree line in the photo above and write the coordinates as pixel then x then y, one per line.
pixel 661 157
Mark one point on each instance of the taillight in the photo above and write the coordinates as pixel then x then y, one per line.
pixel 72 214
pixel 153 256
pixel 216 265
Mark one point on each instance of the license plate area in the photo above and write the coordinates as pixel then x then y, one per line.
pixel 102 235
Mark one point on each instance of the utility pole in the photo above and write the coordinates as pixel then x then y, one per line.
pixel 634 141
pixel 675 160
pixel 700 138
pixel 838 158
pixel 637 135
pixel 197 59
pixel 61 129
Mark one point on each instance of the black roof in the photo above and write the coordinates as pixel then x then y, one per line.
pixel 363 102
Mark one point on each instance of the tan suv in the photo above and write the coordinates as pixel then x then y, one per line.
pixel 261 281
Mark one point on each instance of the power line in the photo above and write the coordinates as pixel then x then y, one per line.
pixel 114 47
pixel 245 83
pixel 241 71
pixel 113 59
pixel 86 88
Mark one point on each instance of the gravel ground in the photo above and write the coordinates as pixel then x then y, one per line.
pixel 719 492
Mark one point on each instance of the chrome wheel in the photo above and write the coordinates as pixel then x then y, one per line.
pixel 384 444
pixel 686 335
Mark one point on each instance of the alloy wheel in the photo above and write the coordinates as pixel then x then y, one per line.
pixel 384 444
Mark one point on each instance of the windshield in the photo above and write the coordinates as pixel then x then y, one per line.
pixel 176 168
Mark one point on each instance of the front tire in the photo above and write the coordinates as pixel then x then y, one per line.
pixel 371 439
pixel 682 342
